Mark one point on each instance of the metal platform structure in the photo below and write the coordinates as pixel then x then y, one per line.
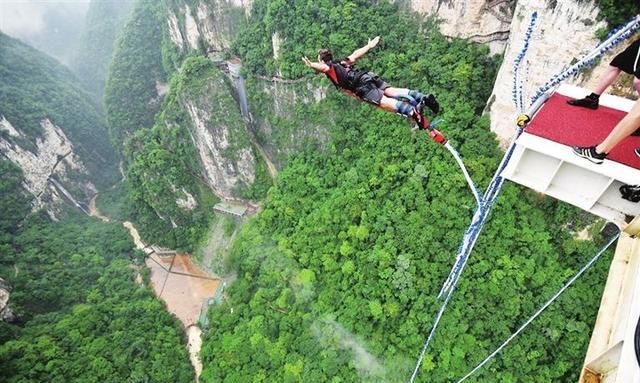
pixel 611 354
pixel 550 167
pixel 543 160
pixel 234 210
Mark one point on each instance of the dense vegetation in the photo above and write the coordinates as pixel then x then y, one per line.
pixel 101 27
pixel 82 316
pixel 34 87
pixel 14 203
pixel 131 97
pixel 164 161
pixel 357 245
pixel 337 276
pixel 617 12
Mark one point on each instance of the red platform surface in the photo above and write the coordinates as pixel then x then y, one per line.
pixel 574 126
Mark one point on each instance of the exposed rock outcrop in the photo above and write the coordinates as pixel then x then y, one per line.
pixel 6 314
pixel 174 31
pixel 212 23
pixel 187 202
pixel 481 21
pixel 52 159
pixel 220 136
pixel 550 51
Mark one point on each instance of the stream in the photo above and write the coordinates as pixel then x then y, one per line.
pixel 182 285
pixel 179 282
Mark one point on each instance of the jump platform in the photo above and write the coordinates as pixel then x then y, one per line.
pixel 543 159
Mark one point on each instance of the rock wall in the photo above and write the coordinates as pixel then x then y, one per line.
pixel 53 158
pixel 6 314
pixel 214 23
pixel 481 21
pixel 549 53
pixel 564 32
pixel 224 166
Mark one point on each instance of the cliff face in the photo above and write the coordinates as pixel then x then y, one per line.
pixel 6 314
pixel 549 53
pixel 482 21
pixel 209 24
pixel 51 130
pixel 51 169
pixel 564 32
pixel 199 145
pixel 217 131
pixel 221 138
pixel 212 26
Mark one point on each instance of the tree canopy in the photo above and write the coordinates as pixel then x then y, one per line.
pixel 338 275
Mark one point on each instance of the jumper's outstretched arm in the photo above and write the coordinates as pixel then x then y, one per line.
pixel 317 66
pixel 361 51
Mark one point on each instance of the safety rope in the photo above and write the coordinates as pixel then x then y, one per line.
pixel 518 85
pixel 481 214
pixel 542 308
pixel 472 186
pixel 439 138
pixel 491 194
pixel 473 230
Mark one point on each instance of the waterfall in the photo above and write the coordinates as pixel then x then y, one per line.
pixel 66 193
pixel 242 97
pixel 235 65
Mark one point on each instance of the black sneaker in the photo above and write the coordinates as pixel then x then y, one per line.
pixel 591 102
pixel 637 151
pixel 430 102
pixel 630 192
pixel 589 153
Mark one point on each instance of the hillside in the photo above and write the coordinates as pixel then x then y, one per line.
pixel 103 23
pixel 355 218
pixel 76 310
pixel 50 128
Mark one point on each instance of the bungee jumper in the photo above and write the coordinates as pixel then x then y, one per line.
pixel 368 87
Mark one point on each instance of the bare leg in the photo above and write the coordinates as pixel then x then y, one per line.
pixel 607 80
pixel 403 93
pixel 636 84
pixel 396 92
pixel 622 130
pixel 389 104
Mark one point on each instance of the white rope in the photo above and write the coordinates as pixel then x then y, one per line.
pixel 472 186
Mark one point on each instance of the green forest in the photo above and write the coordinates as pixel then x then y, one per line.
pixel 355 240
pixel 34 87
pixel 104 21
pixel 81 316
pixel 335 278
